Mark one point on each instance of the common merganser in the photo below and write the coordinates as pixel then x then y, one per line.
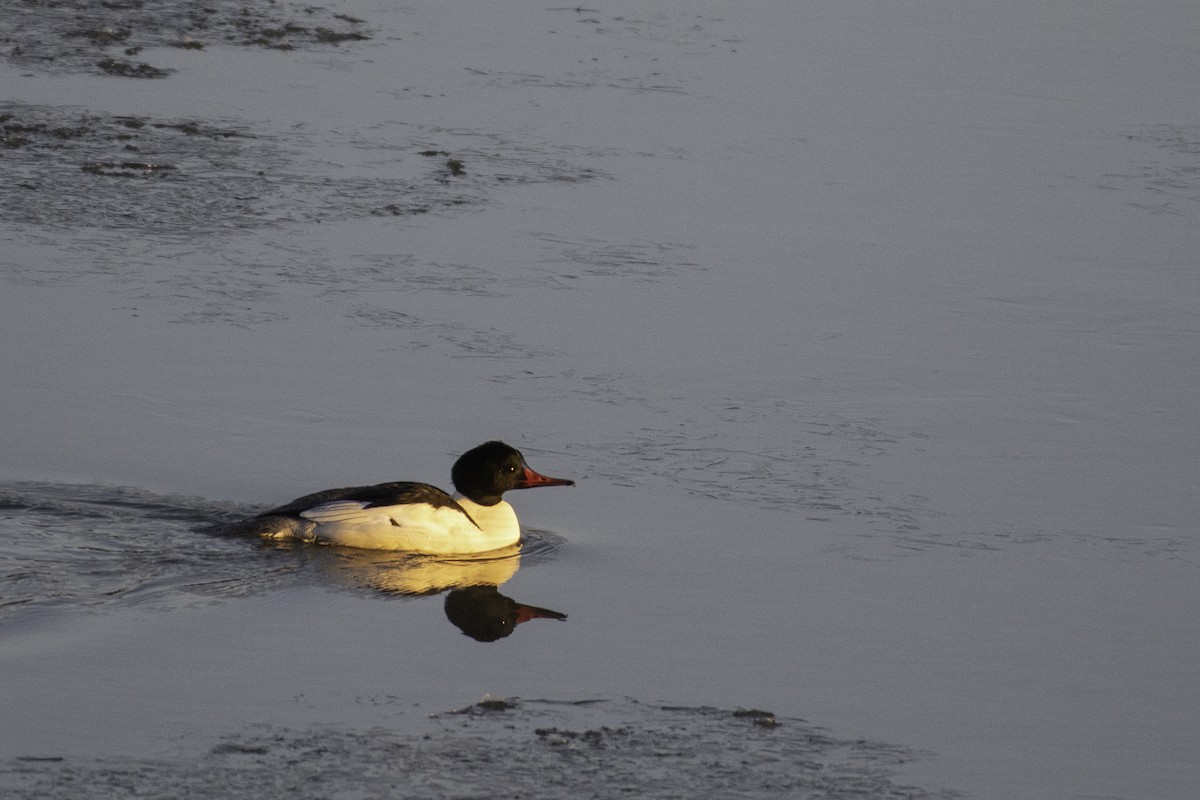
pixel 416 517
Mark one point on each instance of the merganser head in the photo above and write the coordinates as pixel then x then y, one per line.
pixel 486 472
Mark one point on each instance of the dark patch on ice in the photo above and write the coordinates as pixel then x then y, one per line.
pixel 1170 183
pixel 643 41
pixel 408 274
pixel 109 35
pixel 104 173
pixel 73 169
pixel 130 69
pixel 505 748
pixel 487 705
pixel 638 261
pixel 759 717
pixel 456 339
pixel 93 548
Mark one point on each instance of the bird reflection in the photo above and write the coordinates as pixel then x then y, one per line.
pixel 473 603
pixel 413 575
pixel 485 615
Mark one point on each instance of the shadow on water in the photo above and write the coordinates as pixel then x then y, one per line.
pixel 95 548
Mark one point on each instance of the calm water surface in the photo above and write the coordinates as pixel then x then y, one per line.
pixel 864 330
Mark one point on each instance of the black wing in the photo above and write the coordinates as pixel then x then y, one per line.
pixel 381 494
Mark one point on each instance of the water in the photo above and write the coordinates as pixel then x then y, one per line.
pixel 864 330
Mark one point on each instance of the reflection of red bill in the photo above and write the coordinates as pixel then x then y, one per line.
pixel 526 613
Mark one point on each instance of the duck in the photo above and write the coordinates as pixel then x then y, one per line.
pixel 416 517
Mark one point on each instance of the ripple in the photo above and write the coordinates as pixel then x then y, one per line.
pixel 94 548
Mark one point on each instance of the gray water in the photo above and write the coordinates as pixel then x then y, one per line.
pixel 865 329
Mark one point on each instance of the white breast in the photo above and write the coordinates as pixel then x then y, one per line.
pixel 498 522
pixel 415 527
